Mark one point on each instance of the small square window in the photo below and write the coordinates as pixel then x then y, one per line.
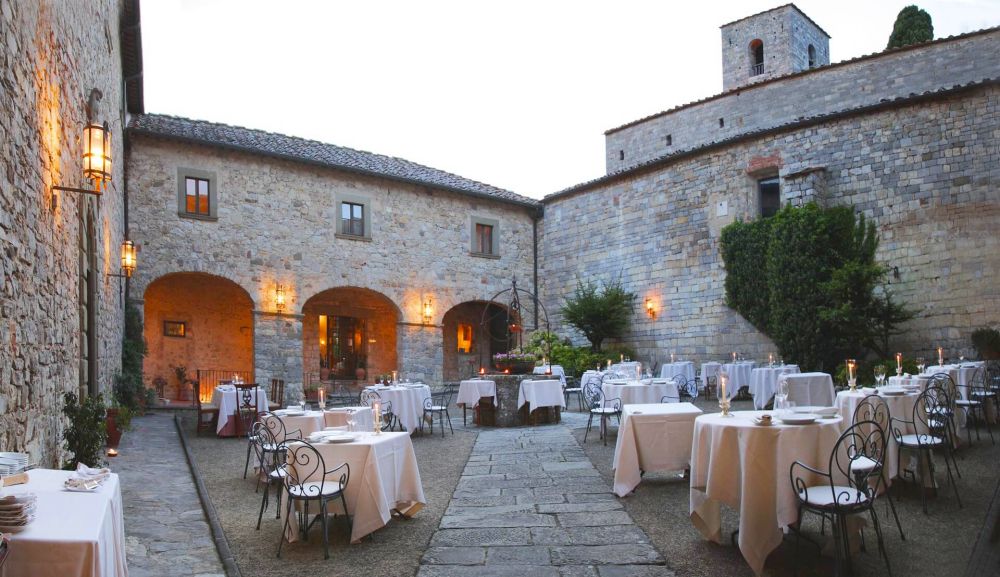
pixel 770 196
pixel 352 219
pixel 174 329
pixel 196 194
pixel 485 234
pixel 484 239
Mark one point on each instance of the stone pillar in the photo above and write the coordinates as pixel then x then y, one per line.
pixel 804 186
pixel 420 352
pixel 277 348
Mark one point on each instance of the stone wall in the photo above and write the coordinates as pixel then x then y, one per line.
pixel 277 225
pixel 53 54
pixel 869 80
pixel 926 173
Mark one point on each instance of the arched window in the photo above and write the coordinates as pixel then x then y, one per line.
pixel 756 57
pixel 812 56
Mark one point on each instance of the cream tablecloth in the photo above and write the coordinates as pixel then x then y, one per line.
pixel 363 418
pixel 470 391
pixel 636 393
pixel 407 403
pixel 670 370
pixel 745 466
pixel 547 393
pixel 227 398
pixel 764 381
pixel 73 534
pixel 384 476
pixel 810 389
pixel 652 438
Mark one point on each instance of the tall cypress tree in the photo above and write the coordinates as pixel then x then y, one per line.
pixel 912 25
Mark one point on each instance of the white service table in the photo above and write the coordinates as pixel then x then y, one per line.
pixel 810 389
pixel 384 476
pixel 900 407
pixel 73 534
pixel 739 374
pixel 738 463
pixel 228 399
pixel 764 382
pixel 683 368
pixel 470 391
pixel 407 402
pixel 653 437
pixel 554 370
pixel 364 420
pixel 537 394
pixel 639 393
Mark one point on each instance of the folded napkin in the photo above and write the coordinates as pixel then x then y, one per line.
pixel 87 477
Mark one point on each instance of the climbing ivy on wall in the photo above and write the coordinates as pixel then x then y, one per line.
pixel 808 279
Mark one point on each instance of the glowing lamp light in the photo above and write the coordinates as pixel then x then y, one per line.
pixel 428 311
pixel 650 308
pixel 128 258
pixel 482 371
pixel 112 452
pixel 279 298
pixel 97 153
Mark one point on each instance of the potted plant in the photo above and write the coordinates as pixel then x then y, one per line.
pixel 184 392
pixel 86 435
pixel 515 362
pixel 311 392
pixel 360 371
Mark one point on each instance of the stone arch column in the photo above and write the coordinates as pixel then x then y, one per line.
pixel 278 351
pixel 420 351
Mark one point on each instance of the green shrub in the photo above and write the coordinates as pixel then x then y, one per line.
pixel 599 312
pixel 86 435
pixel 987 343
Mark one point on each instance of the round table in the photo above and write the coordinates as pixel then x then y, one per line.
pixel 900 407
pixel 306 424
pixel 338 416
pixel 739 374
pixel 407 402
pixel 764 381
pixel 738 463
pixel 638 393
pixel 683 368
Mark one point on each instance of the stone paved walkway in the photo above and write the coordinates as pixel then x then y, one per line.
pixel 530 503
pixel 166 533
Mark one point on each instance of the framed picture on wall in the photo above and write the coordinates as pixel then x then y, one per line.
pixel 174 329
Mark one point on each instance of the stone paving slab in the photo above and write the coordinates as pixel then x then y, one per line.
pixel 166 532
pixel 530 502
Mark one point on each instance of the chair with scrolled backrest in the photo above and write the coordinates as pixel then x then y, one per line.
pixel 437 404
pixel 945 411
pixel 246 415
pixel 844 489
pixel 368 398
pixel 679 382
pixel 593 397
pixel 971 399
pixel 270 454
pixel 276 396
pixel 929 423
pixel 874 408
pixel 306 480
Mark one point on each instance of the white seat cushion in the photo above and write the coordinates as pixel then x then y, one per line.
pixel 573 389
pixel 209 407
pixel 436 408
pixel 911 440
pixel 604 410
pixel 863 464
pixel 964 403
pixel 312 489
pixel 824 496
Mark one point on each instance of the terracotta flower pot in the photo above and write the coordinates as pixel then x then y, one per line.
pixel 111 423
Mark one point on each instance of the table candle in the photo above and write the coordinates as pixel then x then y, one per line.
pixel 850 369
pixel 734 356
pixel 722 385
pixel 671 358
pixel 621 358
pixel 770 358
pixel 482 371
pixel 322 397
pixel 609 364
pixel 377 407
pixel 899 360
pixel 394 374
pixel 940 356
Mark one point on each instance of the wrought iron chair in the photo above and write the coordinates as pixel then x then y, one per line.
pixel 246 415
pixel 307 480
pixel 679 383
pixel 572 387
pixel 437 404
pixel 593 396
pixel 973 404
pixel 368 399
pixel 686 387
pixel 944 413
pixel 205 410
pixel 845 489
pixel 874 408
pixel 276 396
pixel 270 455
pixel 931 433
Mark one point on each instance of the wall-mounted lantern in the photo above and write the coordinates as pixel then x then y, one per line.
pixel 428 311
pixel 128 264
pixel 96 152
pixel 279 298
pixel 650 308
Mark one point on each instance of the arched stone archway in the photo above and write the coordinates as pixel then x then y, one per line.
pixel 466 344
pixel 197 321
pixel 349 334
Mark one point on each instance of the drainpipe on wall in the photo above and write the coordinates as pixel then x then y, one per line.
pixel 534 244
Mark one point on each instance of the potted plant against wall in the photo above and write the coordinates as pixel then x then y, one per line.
pixel 360 373
pixel 515 362
pixel 86 435
pixel 184 391
pixel 311 392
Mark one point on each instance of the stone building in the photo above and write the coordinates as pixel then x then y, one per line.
pixel 60 311
pixel 907 136
pixel 379 261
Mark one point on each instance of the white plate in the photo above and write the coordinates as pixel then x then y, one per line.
pixel 74 489
pixel 799 418
pixel 816 410
pixel 294 413
pixel 341 439
pixel 892 391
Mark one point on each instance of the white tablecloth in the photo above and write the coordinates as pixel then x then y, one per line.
pixel 810 389
pixel 554 370
pixel 911 380
pixel 364 420
pixel 900 407
pixel 739 374
pixel 73 534
pixel 470 391
pixel 227 398
pixel 684 368
pixel 638 393
pixel 627 368
pixel 589 376
pixel 536 394
pixel 307 424
pixel 709 370
pixel 764 382
pixel 652 438
pixel 745 466
pixel 384 476
pixel 407 403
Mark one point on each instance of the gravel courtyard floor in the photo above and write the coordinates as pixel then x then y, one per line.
pixel 519 502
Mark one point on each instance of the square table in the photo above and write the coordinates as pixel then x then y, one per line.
pixel 384 477
pixel 536 394
pixel 683 368
pixel 810 389
pixel 639 392
pixel 471 390
pixel 653 437
pixel 407 402
pixel 73 534
pixel 227 398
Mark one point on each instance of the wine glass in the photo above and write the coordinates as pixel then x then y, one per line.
pixel 879 374
pixel 921 364
pixel 350 420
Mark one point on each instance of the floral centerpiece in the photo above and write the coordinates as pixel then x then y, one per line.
pixel 515 362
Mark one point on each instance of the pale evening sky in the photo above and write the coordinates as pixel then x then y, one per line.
pixel 516 94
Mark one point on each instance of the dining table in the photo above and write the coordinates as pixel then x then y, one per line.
pixel 900 406
pixel 683 368
pixel 384 478
pixel 764 382
pixel 652 437
pixel 362 416
pixel 470 391
pixel 73 534
pixel 228 398
pixel 540 393
pixel 815 389
pixel 739 374
pixel 632 392
pixel 407 402
pixel 554 370
pixel 743 465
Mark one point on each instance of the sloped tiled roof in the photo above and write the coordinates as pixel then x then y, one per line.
pixel 316 153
